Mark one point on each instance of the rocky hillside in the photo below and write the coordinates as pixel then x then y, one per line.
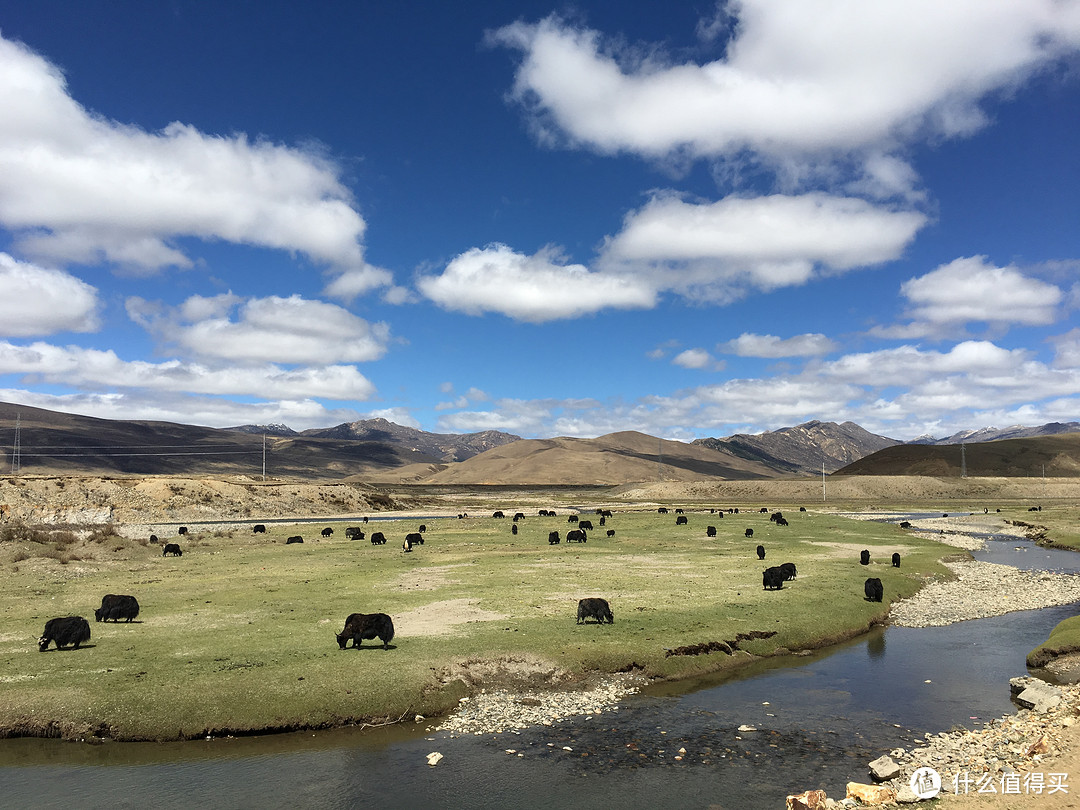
pixel 801 450
pixel 444 447
pixel 84 500
pixel 992 434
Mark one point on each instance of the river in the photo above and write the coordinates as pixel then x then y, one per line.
pixel 819 719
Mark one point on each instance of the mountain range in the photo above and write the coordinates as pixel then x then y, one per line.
pixel 376 450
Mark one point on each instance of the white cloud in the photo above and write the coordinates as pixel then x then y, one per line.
pixel 471 396
pixel 38 301
pixel 719 250
pixel 808 345
pixel 266 330
pixel 971 289
pixel 694 358
pixel 92 368
pixel 77 187
pixel 797 77
pixel 535 288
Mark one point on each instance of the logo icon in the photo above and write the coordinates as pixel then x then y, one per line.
pixel 925 783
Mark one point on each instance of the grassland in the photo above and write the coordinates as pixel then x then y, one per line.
pixel 238 634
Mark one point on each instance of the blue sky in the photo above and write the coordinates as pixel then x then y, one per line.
pixel 689 220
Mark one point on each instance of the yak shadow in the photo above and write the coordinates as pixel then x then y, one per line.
pixel 372 647
pixel 69 649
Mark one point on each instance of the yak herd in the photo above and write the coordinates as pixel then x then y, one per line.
pixel 72 631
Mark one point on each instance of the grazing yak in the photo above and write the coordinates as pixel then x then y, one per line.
pixel 258 528
pixel 873 590
pixel 905 524
pixel 415 538
pixel 776 516
pixel 572 519
pixel 67 630
pixel 789 571
pixel 772 579
pixel 678 511
pixel 182 530
pixel 681 520
pixel 662 510
pixel 378 539
pixel 327 532
pixel 407 545
pixel 553 538
pixel 354 533
pixel 761 552
pixel 366 626
pixel 576 536
pixel 519 516
pixel 513 529
pixel 585 525
pixel 171 548
pixel 423 528
pixel 153 539
pixel 610 532
pixel 497 515
pixel 864 557
pixel 294 539
pixel 749 532
pixel 117 607
pixel 603 520
pixel 710 531
pixel 594 608
pixel 896 559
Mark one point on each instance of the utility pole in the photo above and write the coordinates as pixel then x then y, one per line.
pixel 963 461
pixel 16 451
pixel 264 458
pixel 823 482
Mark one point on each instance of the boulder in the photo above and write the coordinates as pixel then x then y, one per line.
pixel 1039 696
pixel 807 800
pixel 883 769
pixel 870 794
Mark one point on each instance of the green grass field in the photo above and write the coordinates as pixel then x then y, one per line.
pixel 238 633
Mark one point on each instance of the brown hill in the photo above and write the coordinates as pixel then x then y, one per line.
pixel 1053 456
pixel 60 443
pixel 445 447
pixel 802 449
pixel 617 458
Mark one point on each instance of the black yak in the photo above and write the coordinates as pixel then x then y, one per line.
pixel 761 552
pixel 171 548
pixel 896 559
pixel 366 626
pixel 681 520
pixel 772 578
pixel 789 571
pixel 873 590
pixel 117 607
pixel 576 536
pixel 327 532
pixel 258 528
pixel 378 539
pixel 864 557
pixel 415 538
pixel 68 630
pixel 594 608
pixel 710 531
pixel 295 539
pixel 749 532
pixel 553 538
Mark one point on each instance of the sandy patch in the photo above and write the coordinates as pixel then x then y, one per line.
pixel 442 618
pixel 428 579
